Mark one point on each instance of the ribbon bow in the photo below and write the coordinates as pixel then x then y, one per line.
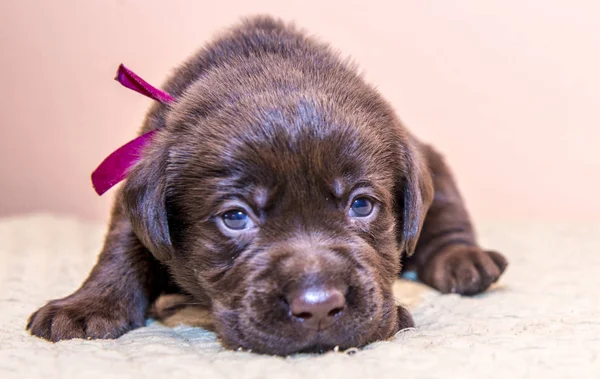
pixel 115 167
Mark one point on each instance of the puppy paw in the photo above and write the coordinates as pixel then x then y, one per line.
pixel 82 317
pixel 466 270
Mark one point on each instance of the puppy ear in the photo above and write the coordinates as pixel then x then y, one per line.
pixel 143 197
pixel 418 195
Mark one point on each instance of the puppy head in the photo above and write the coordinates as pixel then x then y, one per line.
pixel 288 213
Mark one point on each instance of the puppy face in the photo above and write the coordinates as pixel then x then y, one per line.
pixel 285 213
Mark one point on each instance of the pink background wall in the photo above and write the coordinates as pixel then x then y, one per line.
pixel 508 90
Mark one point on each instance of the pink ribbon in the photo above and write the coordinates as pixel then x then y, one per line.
pixel 115 167
pixel 130 80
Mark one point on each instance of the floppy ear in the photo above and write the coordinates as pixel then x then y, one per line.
pixel 418 195
pixel 143 198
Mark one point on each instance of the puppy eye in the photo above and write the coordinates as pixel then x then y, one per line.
pixel 235 219
pixel 361 207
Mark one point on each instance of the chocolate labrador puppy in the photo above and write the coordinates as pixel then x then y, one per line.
pixel 281 192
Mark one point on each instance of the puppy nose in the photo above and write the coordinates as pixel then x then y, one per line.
pixel 317 307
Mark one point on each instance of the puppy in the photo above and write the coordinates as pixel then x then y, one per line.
pixel 281 192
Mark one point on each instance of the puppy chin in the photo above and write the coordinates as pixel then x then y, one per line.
pixel 239 331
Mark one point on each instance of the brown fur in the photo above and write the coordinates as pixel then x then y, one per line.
pixel 269 118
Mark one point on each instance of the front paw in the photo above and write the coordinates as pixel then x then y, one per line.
pixel 466 270
pixel 78 316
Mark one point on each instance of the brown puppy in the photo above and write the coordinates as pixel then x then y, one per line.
pixel 280 192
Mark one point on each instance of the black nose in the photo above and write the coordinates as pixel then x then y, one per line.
pixel 317 307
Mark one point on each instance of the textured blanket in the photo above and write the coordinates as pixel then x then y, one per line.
pixel 542 320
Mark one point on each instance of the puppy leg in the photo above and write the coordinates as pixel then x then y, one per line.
pixel 113 299
pixel 447 256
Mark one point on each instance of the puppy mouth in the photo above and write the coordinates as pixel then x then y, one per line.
pixel 320 346
pixel 318 342
pixel 307 302
pixel 287 336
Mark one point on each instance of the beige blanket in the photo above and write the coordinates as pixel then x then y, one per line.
pixel 541 321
